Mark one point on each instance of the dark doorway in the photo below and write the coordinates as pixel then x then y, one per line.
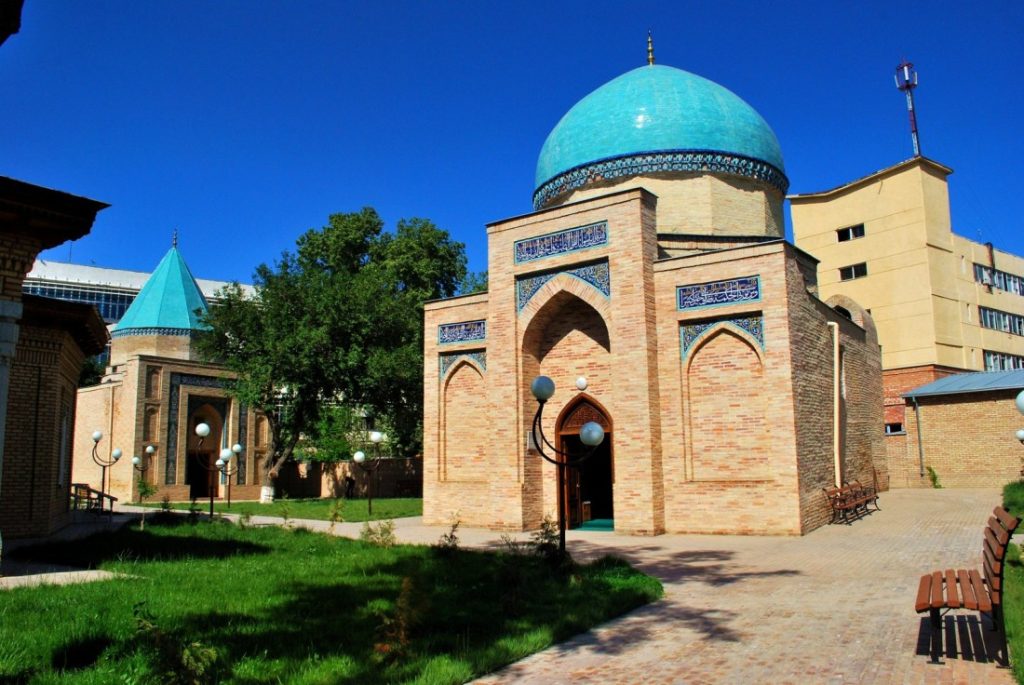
pixel 590 484
pixel 198 477
pixel 588 497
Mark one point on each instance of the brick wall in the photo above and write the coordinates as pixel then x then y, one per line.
pixel 969 440
pixel 703 203
pixel 40 420
pixel 896 382
pixel 17 253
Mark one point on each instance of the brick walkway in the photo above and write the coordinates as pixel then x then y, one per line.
pixel 835 606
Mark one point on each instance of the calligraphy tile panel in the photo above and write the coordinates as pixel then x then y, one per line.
pixel 464 331
pixel 561 242
pixel 717 293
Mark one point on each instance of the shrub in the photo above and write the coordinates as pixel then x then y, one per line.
pixel 176 663
pixel 545 540
pixel 448 543
pixel 381 534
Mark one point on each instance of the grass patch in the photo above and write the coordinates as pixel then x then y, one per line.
pixel 1013 577
pixel 213 602
pixel 319 509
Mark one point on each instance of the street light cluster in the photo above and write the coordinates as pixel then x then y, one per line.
pixel 376 437
pixel 591 435
pixel 140 464
pixel 1020 408
pixel 223 463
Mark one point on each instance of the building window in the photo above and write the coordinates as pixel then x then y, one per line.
pixel 850 233
pixel 1001 321
pixel 848 273
pixel 1001 280
pixel 894 429
pixel 1000 361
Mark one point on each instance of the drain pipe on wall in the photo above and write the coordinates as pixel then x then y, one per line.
pixel 834 328
pixel 920 438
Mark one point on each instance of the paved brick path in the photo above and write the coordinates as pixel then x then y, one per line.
pixel 835 606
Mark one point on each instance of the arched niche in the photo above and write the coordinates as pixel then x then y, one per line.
pixel 726 402
pixel 464 425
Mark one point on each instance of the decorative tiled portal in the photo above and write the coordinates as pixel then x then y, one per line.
pixel 177 380
pixel 561 242
pixel 464 331
pixel 691 333
pixel 597 275
pixel 715 293
pixel 448 359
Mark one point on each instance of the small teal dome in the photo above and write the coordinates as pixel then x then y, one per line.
pixel 656 118
pixel 170 303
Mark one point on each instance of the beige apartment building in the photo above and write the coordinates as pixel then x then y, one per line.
pixel 942 303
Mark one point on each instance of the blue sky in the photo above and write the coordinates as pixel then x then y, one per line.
pixel 245 123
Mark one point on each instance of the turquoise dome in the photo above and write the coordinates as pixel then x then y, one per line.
pixel 170 303
pixel 656 118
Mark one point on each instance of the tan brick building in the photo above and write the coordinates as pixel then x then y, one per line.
pixel 40 344
pixel 963 429
pixel 154 393
pixel 943 304
pixel 654 268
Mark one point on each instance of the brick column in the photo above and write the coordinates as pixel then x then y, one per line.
pixel 10 313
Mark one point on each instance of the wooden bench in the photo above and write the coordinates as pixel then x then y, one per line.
pixel 851 501
pixel 971 589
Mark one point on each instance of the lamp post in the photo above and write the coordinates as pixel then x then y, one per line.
pixel 591 434
pixel 141 464
pixel 376 437
pixel 1020 432
pixel 103 464
pixel 203 430
pixel 224 465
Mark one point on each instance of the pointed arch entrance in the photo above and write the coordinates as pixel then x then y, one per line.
pixel 588 498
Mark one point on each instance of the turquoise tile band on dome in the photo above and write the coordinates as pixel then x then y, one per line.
pixel 692 161
pixel 125 332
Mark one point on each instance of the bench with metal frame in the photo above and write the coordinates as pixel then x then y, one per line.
pixel 941 591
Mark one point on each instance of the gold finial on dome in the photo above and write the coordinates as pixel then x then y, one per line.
pixel 174 238
pixel 650 48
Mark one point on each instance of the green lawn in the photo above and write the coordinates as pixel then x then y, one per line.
pixel 319 509
pixel 1013 577
pixel 272 605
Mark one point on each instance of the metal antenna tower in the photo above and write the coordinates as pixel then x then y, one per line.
pixel 906 80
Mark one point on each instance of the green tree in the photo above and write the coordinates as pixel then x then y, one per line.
pixel 338 320
pixel 474 282
pixel 92 372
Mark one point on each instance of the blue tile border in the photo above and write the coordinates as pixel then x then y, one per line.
pixel 463 331
pixel 710 161
pixel 177 380
pixel 597 275
pixel 718 293
pixel 446 360
pixel 560 242
pixel 692 333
